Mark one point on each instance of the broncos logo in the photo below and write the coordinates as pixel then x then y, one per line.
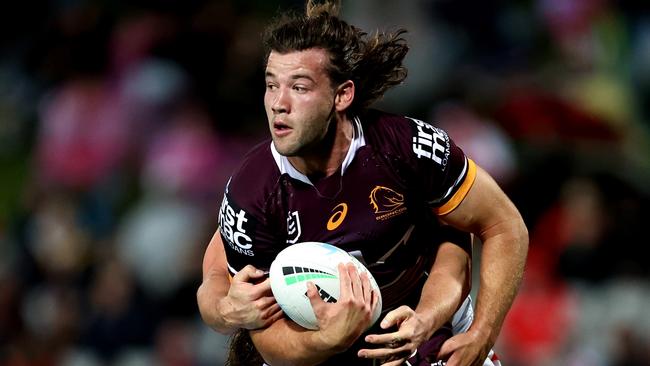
pixel 384 200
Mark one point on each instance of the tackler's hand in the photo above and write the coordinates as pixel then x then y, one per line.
pixel 466 349
pixel 397 347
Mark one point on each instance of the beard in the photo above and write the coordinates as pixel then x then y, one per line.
pixel 308 145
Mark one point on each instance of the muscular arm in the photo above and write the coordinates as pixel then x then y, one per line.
pixel 214 286
pixel 487 212
pixel 226 306
pixel 241 303
pixel 447 286
pixel 299 346
pixel 340 324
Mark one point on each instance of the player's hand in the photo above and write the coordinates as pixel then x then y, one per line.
pixel 341 323
pixel 466 349
pixel 249 304
pixel 397 347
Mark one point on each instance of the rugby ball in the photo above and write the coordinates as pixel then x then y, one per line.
pixel 315 262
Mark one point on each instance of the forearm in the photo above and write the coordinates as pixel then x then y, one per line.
pixel 214 287
pixel 446 288
pixel 439 303
pixel 488 213
pixel 502 266
pixel 210 296
pixel 284 343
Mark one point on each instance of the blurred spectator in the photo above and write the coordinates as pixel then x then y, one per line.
pixel 481 139
pixel 119 123
pixel 184 159
pixel 540 323
pixel 120 316
pixel 83 137
pixel 157 239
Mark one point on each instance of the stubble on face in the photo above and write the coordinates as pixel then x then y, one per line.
pixel 299 101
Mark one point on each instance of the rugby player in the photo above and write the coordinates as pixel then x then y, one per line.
pixel 382 187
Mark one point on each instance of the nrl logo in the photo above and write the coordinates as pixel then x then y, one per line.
pixel 293 227
pixel 386 202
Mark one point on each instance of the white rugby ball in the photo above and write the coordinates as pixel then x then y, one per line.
pixel 315 262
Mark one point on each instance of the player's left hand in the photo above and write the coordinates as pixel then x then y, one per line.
pixel 466 349
pixel 398 346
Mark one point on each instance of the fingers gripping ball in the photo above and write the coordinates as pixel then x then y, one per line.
pixel 315 262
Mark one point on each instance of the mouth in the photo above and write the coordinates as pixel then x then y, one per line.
pixel 281 129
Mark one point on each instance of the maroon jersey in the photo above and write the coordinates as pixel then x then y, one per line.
pixel 380 206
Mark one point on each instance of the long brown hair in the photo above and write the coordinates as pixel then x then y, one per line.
pixel 372 62
pixel 241 350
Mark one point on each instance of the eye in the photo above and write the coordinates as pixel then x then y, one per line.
pixel 300 89
pixel 271 86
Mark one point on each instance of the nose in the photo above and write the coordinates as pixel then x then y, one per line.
pixel 280 103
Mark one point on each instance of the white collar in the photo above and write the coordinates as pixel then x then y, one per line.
pixel 357 142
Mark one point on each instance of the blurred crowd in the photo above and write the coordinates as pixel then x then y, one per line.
pixel 120 123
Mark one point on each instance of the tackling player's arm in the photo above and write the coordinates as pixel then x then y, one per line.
pixel 448 285
pixel 487 212
pixel 227 304
pixel 340 324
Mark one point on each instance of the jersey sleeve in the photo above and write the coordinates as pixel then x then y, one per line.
pixel 248 231
pixel 443 172
pixel 438 170
pixel 245 238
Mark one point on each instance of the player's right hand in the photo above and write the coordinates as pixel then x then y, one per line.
pixel 249 304
pixel 341 323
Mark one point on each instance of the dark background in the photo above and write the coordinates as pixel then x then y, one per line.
pixel 121 121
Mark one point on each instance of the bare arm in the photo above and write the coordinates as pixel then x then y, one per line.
pixel 447 286
pixel 228 305
pixel 487 212
pixel 225 305
pixel 298 346
pixel 340 324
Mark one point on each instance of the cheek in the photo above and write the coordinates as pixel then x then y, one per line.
pixel 315 107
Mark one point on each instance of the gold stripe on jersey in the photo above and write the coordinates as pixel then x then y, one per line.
pixel 460 194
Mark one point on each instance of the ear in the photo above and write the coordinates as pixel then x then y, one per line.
pixel 344 96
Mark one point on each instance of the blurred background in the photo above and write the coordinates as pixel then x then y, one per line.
pixel 121 121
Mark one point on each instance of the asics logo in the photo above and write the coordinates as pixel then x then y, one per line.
pixel 340 211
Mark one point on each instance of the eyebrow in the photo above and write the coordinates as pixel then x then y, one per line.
pixel 293 77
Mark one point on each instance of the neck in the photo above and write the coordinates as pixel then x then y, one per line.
pixel 328 157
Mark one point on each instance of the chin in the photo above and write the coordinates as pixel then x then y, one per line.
pixel 286 150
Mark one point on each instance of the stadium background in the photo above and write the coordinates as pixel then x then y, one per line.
pixel 120 122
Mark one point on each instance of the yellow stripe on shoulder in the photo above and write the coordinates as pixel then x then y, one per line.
pixel 460 194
